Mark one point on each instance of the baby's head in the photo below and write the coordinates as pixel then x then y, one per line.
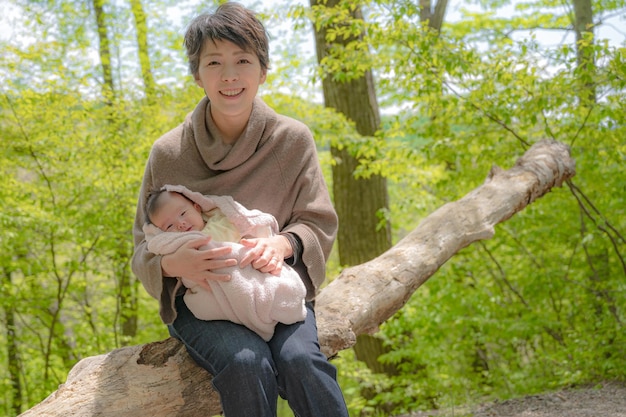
pixel 173 212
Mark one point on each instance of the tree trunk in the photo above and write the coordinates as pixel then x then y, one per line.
pixel 141 29
pixel 14 364
pixel 108 87
pixel 159 379
pixel 434 18
pixel 583 26
pixel 128 287
pixel 359 201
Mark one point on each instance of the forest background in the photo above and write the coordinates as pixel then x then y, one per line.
pixel 86 87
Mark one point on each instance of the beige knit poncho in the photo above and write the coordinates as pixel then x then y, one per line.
pixel 273 167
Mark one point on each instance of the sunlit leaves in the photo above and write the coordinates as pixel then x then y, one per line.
pixel 538 306
pixel 479 94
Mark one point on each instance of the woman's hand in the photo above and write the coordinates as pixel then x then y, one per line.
pixel 197 264
pixel 266 254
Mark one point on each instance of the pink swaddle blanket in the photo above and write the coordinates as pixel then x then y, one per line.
pixel 252 298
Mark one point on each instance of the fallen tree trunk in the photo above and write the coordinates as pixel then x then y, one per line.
pixel 159 379
pixel 366 295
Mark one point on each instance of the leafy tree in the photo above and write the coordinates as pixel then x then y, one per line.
pixel 348 84
pixel 108 87
pixel 502 314
pixel 539 306
pixel 141 29
pixel 71 166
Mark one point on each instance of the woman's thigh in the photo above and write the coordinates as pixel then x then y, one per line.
pixel 296 339
pixel 296 351
pixel 215 345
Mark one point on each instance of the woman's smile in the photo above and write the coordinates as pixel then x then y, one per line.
pixel 232 92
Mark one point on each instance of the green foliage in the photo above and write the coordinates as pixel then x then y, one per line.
pixel 539 306
pixel 71 169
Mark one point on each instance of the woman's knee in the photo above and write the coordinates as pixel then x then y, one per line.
pixel 249 362
pixel 300 361
pixel 250 373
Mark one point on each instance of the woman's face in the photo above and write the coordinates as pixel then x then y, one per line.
pixel 230 78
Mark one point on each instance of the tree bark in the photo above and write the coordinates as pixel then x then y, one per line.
pixel 14 364
pixel 583 27
pixel 433 17
pixel 108 86
pixel 141 29
pixel 159 379
pixel 362 234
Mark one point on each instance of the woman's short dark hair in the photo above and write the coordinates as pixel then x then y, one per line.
pixel 231 22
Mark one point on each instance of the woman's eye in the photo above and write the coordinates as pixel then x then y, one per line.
pixel 244 61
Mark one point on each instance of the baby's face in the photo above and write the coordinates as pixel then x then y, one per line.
pixel 177 214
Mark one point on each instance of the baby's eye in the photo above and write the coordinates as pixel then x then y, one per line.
pixel 169 227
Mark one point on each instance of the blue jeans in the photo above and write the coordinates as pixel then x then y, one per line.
pixel 250 373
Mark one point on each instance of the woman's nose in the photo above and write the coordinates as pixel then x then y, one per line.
pixel 230 73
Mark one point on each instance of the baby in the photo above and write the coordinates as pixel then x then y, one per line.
pixel 253 298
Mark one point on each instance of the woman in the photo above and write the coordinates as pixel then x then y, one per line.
pixel 234 144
